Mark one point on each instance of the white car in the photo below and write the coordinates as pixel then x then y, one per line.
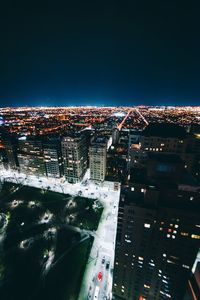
pixel 96 293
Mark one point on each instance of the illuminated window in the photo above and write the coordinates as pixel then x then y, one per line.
pixel 142 190
pixel 127 241
pixel 184 233
pixel 146 225
pixel 185 266
pixel 132 189
pixel 165 281
pixel 170 262
pixel 195 236
pixel 140 258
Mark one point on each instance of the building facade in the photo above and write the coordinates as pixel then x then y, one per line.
pixel 53 158
pixel 158 234
pixel 10 144
pixel 97 158
pixel 168 138
pixel 30 156
pixel 75 154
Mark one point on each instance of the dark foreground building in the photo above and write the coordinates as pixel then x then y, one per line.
pixel 158 231
pixel 193 291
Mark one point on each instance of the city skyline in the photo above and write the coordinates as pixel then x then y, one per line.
pixel 98 102
pixel 119 184
pixel 167 106
pixel 99 150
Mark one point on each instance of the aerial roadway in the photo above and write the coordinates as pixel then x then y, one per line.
pixel 124 120
pixel 99 288
pixel 143 118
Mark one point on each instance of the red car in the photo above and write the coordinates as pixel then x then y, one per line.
pixel 99 276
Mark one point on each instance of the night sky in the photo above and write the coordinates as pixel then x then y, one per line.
pixel 99 52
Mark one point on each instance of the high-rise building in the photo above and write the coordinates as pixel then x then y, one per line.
pixel 30 156
pixel 75 154
pixel 162 137
pixel 117 160
pixel 193 291
pixel 97 158
pixel 10 144
pixel 169 138
pixel 192 155
pixel 53 157
pixel 158 232
pixel 115 136
pixel 2 157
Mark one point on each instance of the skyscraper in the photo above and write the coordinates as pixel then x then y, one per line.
pixel 30 156
pixel 97 158
pixel 117 159
pixel 193 291
pixel 163 137
pixel 158 232
pixel 11 146
pixel 53 157
pixel 75 153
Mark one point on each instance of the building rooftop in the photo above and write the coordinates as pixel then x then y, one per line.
pixel 73 135
pixel 100 140
pixel 165 158
pixel 164 130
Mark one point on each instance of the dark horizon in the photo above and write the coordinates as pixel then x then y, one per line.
pixel 95 53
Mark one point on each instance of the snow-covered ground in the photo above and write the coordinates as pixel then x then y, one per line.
pixel 104 237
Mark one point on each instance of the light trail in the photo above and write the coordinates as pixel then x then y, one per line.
pixel 124 120
pixel 143 118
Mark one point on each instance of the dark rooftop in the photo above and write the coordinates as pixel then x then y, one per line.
pixel 167 158
pixel 164 130
pixel 100 140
